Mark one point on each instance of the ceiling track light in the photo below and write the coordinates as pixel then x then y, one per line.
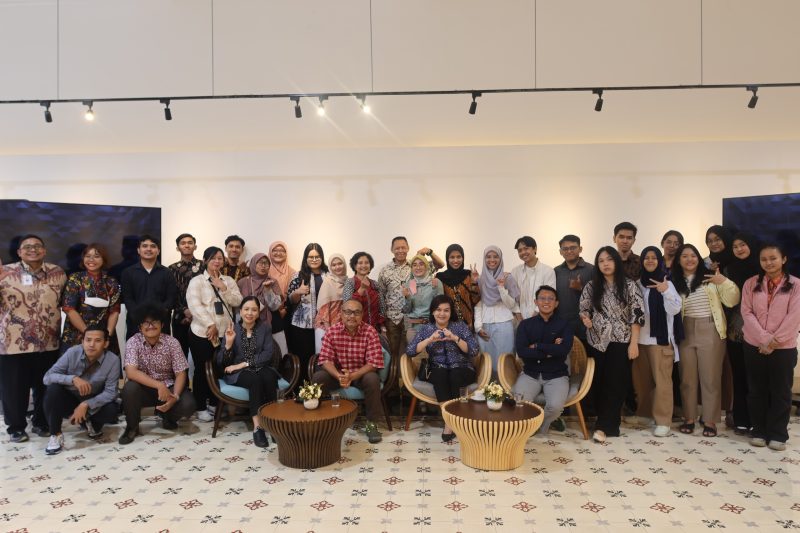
pixel 474 105
pixel 47 116
pixel 753 99
pixel 364 107
pixel 89 114
pixel 167 110
pixel 598 106
pixel 321 108
pixel 298 113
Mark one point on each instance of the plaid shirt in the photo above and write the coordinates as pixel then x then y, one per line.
pixel 351 352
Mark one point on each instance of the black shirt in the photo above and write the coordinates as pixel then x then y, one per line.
pixel 157 286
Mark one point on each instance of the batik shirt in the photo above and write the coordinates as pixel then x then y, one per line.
pixel 80 286
pixel 390 284
pixel 183 271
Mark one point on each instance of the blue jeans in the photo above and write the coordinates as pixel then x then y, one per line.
pixel 555 391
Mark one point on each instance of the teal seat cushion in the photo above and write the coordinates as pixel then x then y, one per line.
pixel 240 393
pixel 383 373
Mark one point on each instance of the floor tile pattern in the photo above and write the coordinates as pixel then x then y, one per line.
pixel 412 481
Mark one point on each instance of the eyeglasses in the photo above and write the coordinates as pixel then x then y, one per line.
pixel 312 258
pixel 546 299
pixel 151 323
pixel 350 312
pixel 568 248
pixel 32 247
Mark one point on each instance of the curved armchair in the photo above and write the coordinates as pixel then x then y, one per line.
pixel 423 390
pixel 387 375
pixel 288 367
pixel 581 372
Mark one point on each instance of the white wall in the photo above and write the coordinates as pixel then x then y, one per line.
pixel 359 198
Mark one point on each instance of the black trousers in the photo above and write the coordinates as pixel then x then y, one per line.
pixel 262 385
pixel 301 343
pixel 181 332
pixel 202 351
pixel 769 397
pixel 136 396
pixel 60 402
pixel 741 413
pixel 19 374
pixel 447 381
pixel 612 375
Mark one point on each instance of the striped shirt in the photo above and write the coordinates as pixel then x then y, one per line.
pixel 696 305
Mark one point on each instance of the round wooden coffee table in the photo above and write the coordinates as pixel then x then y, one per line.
pixel 308 438
pixel 492 440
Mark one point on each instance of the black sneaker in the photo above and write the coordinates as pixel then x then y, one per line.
pixel 166 423
pixel 128 435
pixel 373 435
pixel 558 425
pixel 40 431
pixel 93 432
pixel 260 438
pixel 19 436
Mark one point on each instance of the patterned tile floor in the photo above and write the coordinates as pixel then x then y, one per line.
pixel 187 481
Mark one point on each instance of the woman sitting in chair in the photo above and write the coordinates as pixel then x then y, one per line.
pixel 247 358
pixel 451 348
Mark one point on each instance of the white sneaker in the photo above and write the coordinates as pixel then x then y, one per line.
pixel 204 416
pixel 55 444
pixel 758 442
pixel 212 409
pixel 599 436
pixel 661 431
pixel 777 445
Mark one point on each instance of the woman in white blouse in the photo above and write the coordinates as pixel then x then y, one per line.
pixel 211 298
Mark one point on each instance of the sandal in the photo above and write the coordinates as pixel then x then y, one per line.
pixel 687 428
pixel 709 431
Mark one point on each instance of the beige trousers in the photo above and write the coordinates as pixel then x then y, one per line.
pixel 652 381
pixel 702 353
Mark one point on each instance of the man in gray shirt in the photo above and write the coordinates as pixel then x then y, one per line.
pixel 82 385
pixel 571 277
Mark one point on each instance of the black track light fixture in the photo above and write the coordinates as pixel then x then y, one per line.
pixel 473 107
pixel 598 106
pixel 89 114
pixel 298 113
pixel 167 110
pixel 47 116
pixel 753 99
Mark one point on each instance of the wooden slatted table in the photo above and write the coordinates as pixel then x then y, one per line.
pixel 308 438
pixel 492 440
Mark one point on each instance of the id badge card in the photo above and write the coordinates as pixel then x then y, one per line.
pixel 27 279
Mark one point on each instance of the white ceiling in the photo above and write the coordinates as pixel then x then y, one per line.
pixel 53 49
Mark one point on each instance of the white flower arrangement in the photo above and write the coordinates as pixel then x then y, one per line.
pixel 494 391
pixel 310 391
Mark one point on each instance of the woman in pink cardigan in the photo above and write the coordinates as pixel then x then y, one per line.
pixel 771 313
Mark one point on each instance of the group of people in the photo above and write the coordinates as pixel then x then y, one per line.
pixel 637 315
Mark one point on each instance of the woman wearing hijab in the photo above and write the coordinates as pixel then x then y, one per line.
pixel 658 345
pixel 461 285
pixel 742 267
pixel 266 291
pixel 364 289
pixel 720 248
pixel 282 273
pixel 329 302
pixel 419 291
pixel 494 319
pixel 303 294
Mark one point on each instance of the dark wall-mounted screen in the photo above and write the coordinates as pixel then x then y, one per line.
pixel 772 217
pixel 68 228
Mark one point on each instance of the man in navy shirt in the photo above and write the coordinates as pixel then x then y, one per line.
pixel 543 343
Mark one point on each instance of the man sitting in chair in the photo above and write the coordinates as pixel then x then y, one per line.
pixel 351 356
pixel 543 343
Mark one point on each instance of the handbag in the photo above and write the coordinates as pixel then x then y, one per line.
pixel 424 372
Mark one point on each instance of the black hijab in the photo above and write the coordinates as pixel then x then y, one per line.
pixel 740 270
pixel 655 300
pixel 724 257
pixel 453 277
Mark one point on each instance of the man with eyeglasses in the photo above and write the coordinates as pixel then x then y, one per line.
pixel 571 277
pixel 543 343
pixel 351 355
pixel 30 323
pixel 157 374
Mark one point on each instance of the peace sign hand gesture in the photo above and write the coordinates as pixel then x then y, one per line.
pixel 716 278
pixel 473 274
pixel 660 286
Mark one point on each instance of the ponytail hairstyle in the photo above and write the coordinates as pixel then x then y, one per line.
pixel 599 281
pixel 679 278
pixel 787 285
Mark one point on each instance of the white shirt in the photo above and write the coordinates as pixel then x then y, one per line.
pixel 499 312
pixel 200 298
pixel 529 280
